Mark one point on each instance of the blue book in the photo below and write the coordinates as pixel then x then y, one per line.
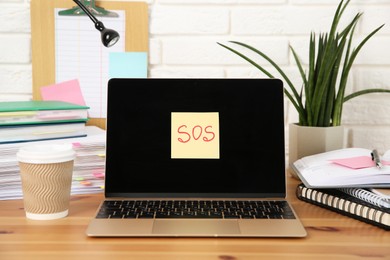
pixel 40 132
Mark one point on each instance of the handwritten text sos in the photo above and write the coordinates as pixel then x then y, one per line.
pixel 187 134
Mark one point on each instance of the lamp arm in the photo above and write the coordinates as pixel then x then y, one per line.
pixel 109 37
pixel 86 11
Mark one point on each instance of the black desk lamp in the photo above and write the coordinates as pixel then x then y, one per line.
pixel 109 36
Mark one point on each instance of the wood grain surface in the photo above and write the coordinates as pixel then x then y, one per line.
pixel 330 236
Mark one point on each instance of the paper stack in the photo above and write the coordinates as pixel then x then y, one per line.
pixel 89 165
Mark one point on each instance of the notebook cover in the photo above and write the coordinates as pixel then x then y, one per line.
pixel 36 105
pixel 363 211
pixel 40 132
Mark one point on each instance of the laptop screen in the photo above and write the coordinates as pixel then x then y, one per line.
pixel 195 138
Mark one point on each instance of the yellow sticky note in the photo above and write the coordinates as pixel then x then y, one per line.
pixel 195 135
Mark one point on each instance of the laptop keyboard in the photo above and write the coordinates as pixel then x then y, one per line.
pixel 119 209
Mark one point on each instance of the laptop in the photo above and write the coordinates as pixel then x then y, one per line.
pixel 195 158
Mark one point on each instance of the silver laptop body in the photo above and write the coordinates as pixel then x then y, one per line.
pixel 185 155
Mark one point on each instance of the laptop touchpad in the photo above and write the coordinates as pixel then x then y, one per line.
pixel 195 226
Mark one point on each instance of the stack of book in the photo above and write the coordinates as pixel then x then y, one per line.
pixel 89 165
pixel 349 182
pixel 25 121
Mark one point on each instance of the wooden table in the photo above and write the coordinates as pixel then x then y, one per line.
pixel 330 236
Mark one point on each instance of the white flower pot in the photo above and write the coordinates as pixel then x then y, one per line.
pixel 305 140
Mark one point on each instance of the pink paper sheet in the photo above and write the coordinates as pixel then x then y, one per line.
pixel 67 91
pixel 358 162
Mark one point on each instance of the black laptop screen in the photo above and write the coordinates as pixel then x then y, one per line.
pixel 195 138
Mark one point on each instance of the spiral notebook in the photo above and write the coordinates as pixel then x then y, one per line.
pixel 368 196
pixel 346 204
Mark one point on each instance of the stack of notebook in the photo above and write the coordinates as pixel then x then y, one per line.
pixel 349 182
pixel 89 165
pixel 360 205
pixel 24 121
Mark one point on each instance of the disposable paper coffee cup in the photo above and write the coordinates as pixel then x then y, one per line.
pixel 46 173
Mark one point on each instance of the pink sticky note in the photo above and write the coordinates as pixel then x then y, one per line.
pixel 355 162
pixel 98 175
pixel 76 145
pixel 358 162
pixel 67 91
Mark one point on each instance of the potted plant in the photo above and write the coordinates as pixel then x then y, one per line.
pixel 319 100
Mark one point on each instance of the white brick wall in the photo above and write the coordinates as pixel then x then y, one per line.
pixel 183 43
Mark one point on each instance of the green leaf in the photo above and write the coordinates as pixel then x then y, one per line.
pixel 319 101
pixel 365 91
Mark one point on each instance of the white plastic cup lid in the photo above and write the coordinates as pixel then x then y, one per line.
pixel 46 153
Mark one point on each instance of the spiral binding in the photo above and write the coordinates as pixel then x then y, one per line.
pixel 335 201
pixel 367 196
